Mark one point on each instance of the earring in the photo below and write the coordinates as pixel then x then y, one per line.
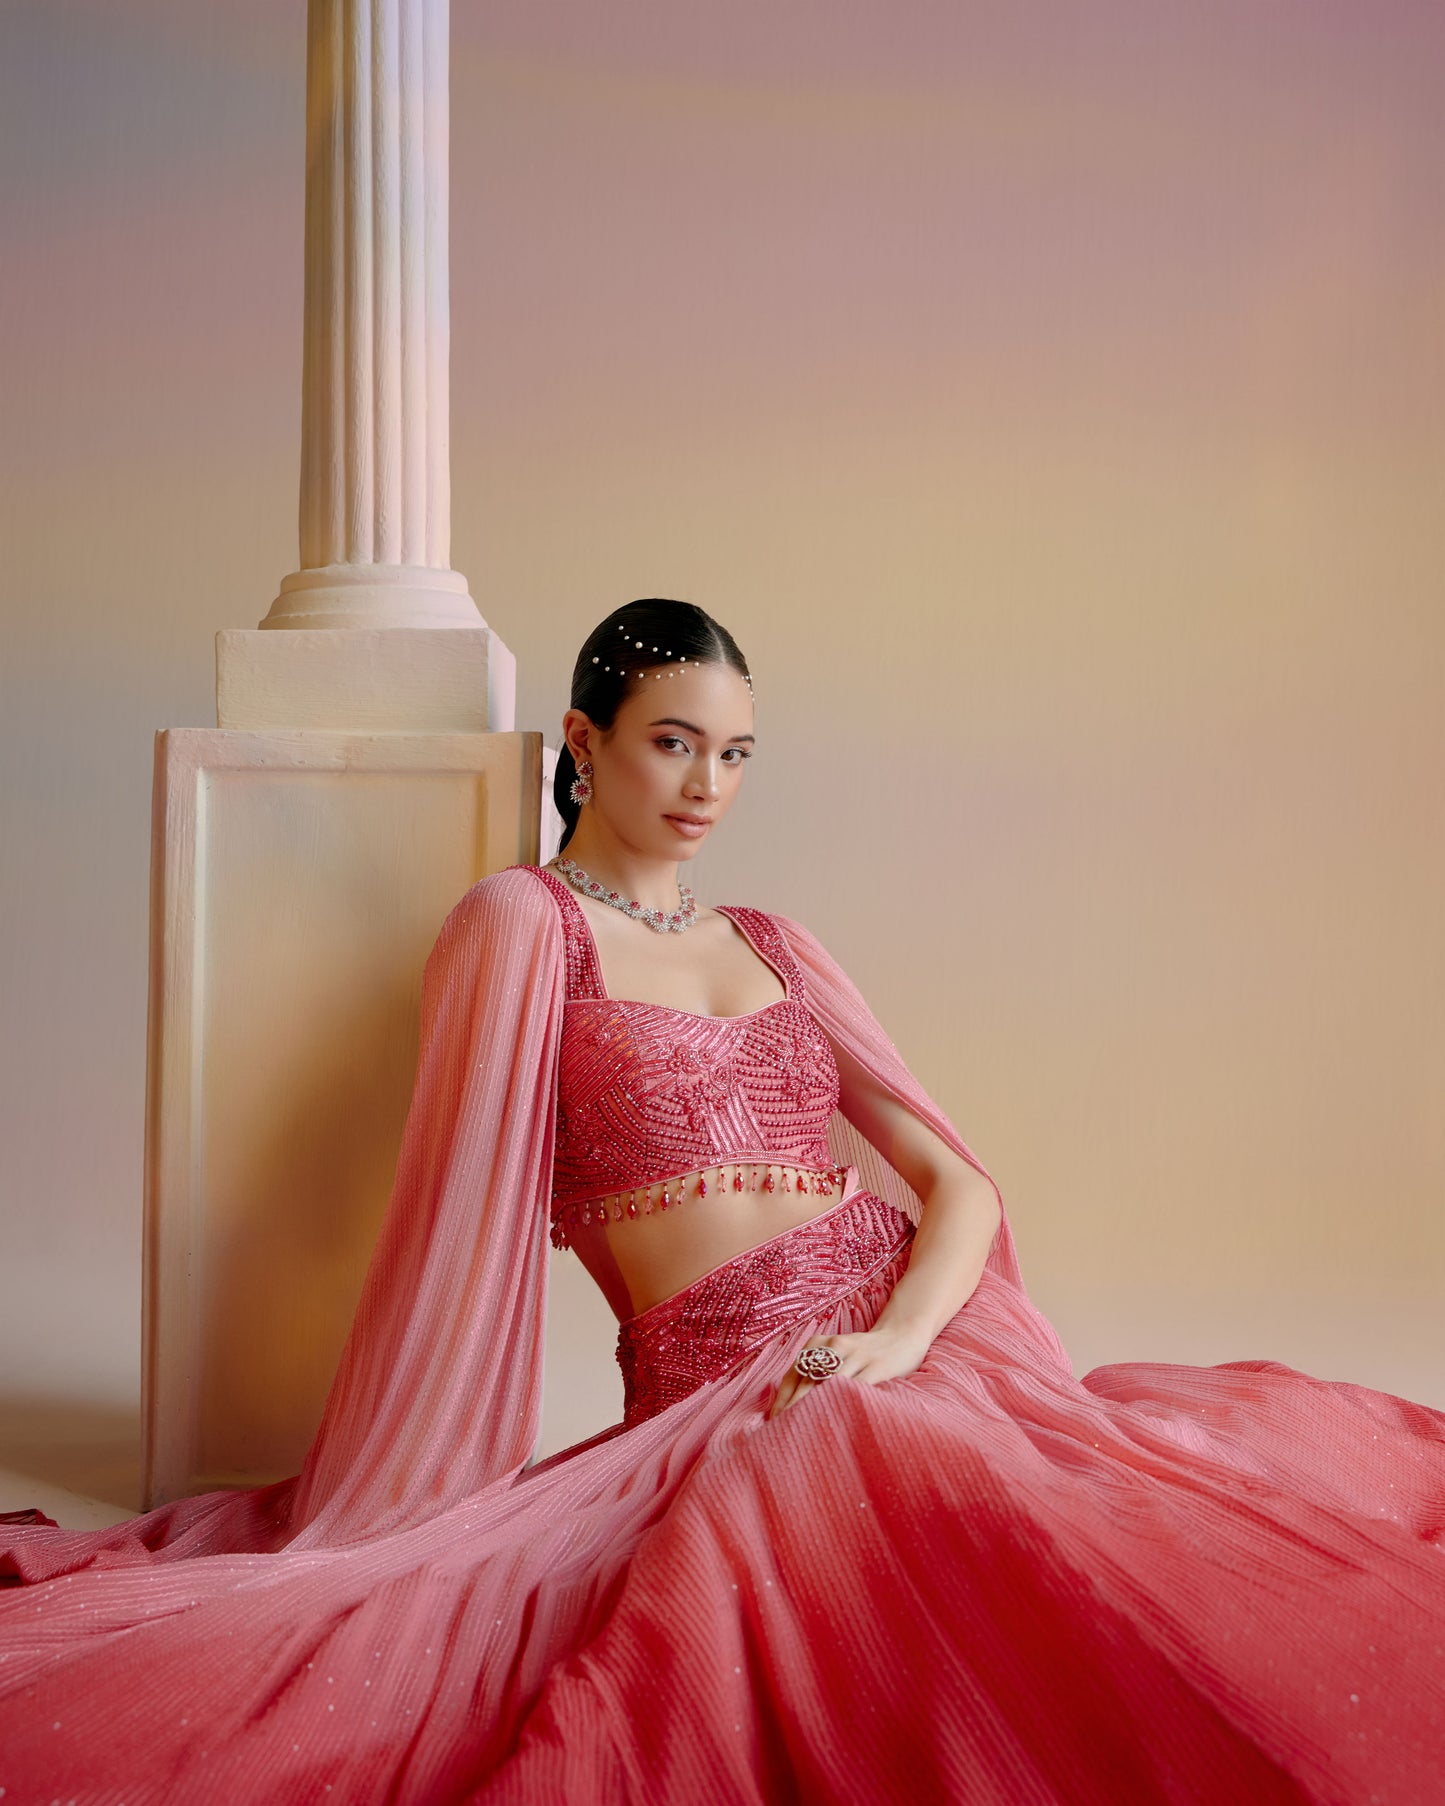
pixel 582 783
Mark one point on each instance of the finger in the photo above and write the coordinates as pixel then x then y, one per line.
pixel 802 1386
pixel 789 1387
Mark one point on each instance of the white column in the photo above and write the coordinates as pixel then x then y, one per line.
pixel 359 779
pixel 375 506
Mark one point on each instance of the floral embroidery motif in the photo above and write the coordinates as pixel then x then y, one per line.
pixel 700 1081
pixel 808 1069
pixel 581 1127
pixel 767 1274
pixel 703 1331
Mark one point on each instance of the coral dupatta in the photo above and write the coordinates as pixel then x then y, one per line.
pixel 440 1385
pixel 839 1007
pixel 439 1388
pixel 438 1392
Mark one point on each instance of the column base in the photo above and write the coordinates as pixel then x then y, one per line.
pixel 373 595
pixel 297 883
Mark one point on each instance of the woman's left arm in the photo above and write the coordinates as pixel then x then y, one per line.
pixel 961 1215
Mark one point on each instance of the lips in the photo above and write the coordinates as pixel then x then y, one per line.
pixel 696 821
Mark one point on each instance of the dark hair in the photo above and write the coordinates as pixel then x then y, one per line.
pixel 669 631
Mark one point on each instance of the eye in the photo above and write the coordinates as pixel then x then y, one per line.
pixel 677 740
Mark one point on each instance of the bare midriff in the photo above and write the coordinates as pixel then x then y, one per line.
pixel 640 1251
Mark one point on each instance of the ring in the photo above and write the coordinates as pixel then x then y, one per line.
pixel 817 1363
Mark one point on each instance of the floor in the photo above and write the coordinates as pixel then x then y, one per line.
pixel 79 1463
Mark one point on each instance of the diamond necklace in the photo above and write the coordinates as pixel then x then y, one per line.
pixel 660 919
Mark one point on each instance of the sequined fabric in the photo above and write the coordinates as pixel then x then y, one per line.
pixel 988 1580
pixel 645 1092
pixel 698 1334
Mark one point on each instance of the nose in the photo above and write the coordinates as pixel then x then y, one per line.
pixel 704 783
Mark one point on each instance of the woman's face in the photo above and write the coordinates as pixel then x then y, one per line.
pixel 677 748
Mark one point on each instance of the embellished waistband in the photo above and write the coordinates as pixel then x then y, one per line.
pixel 696 1335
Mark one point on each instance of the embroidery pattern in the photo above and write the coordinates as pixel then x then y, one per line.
pixel 703 1331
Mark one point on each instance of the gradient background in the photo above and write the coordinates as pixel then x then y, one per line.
pixel 1049 399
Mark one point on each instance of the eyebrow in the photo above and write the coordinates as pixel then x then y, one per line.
pixel 692 728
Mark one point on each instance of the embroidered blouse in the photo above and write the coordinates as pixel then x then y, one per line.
pixel 647 1092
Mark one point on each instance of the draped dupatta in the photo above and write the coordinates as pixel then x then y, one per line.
pixel 440 1386
pixel 839 1007
pixel 438 1391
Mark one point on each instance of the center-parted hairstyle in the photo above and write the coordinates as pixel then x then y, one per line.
pixel 637 637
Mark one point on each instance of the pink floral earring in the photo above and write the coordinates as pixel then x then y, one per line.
pixel 582 783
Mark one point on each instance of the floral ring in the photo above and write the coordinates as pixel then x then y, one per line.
pixel 817 1363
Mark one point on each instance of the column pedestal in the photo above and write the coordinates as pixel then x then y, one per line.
pixel 362 776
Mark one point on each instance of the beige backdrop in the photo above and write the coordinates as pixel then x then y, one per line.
pixel 1051 406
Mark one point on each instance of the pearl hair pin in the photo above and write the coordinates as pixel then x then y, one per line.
pixel 666 652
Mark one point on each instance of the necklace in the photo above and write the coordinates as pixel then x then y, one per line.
pixel 675 922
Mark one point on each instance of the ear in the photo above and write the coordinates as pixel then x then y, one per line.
pixel 576 734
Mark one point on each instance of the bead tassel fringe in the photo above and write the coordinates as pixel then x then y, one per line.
pixel 583 1214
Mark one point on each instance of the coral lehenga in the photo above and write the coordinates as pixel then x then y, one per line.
pixel 987 1581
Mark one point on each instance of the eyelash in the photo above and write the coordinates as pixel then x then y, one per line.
pixel 669 739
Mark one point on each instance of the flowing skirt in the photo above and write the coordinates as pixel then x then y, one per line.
pixel 986 1581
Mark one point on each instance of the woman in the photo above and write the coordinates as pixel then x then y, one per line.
pixel 860 1536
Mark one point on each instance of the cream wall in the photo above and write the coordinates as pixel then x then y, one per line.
pixel 1051 406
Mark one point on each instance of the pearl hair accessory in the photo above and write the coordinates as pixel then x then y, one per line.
pixel 664 921
pixel 638 671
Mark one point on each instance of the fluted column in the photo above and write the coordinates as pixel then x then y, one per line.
pixel 375 504
pixel 364 770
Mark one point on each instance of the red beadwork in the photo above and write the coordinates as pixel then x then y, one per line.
pixel 701 1332
pixel 583 1214
pixel 645 1091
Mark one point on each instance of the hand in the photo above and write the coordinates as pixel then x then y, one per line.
pixel 870 1355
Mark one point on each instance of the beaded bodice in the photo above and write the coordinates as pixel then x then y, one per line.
pixel 646 1092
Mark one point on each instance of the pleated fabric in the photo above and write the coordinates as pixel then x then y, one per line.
pixel 986 1581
